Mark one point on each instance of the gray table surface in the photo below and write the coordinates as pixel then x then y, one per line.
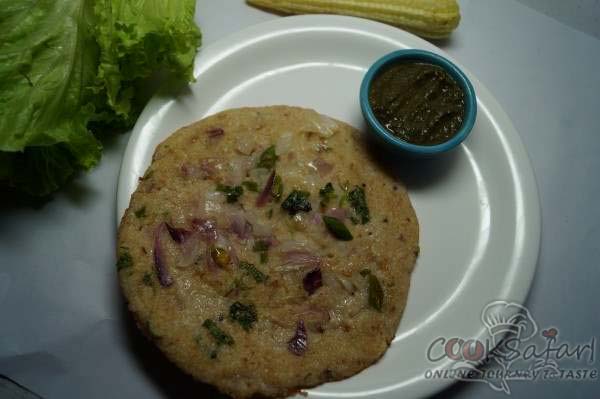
pixel 543 72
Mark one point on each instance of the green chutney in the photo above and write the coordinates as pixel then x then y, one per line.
pixel 418 102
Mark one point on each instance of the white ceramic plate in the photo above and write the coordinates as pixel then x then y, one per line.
pixel 478 208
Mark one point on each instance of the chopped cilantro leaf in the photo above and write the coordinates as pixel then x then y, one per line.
pixel 245 315
pixel 267 158
pixel 296 202
pixel 277 189
pixel 250 185
pixel 260 245
pixel 337 228
pixel 358 201
pixel 327 193
pixel 147 279
pixel 125 260
pixel 219 335
pixel 375 293
pixel 232 194
pixel 256 274
pixel 240 285
pixel 264 257
pixel 140 213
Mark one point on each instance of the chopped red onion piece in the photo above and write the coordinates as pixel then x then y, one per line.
pixel 207 168
pixel 207 229
pixel 346 283
pixel 301 257
pixel 210 262
pixel 240 227
pixel 312 281
pixel 215 132
pixel 260 228
pixel 338 213
pixel 177 234
pixel 186 170
pixel 315 318
pixel 233 255
pixel 159 259
pixel 239 167
pixel 191 251
pixel 298 344
pixel 265 195
pixel 323 167
pixel 315 218
pixel 245 145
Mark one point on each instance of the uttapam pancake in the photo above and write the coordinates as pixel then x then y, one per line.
pixel 265 251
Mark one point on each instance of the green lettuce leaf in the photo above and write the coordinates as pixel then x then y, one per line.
pixel 48 58
pixel 67 66
pixel 137 39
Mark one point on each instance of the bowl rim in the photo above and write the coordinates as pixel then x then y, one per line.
pixel 433 58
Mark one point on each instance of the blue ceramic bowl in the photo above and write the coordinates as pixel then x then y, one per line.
pixel 395 143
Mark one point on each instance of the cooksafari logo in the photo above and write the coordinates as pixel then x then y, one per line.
pixel 516 350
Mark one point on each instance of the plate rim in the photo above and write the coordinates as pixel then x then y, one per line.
pixel 523 175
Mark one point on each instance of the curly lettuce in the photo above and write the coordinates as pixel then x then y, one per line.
pixel 68 67
pixel 137 39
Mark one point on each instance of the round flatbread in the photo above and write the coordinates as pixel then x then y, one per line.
pixel 265 251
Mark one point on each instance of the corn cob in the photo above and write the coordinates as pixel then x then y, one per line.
pixel 428 18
